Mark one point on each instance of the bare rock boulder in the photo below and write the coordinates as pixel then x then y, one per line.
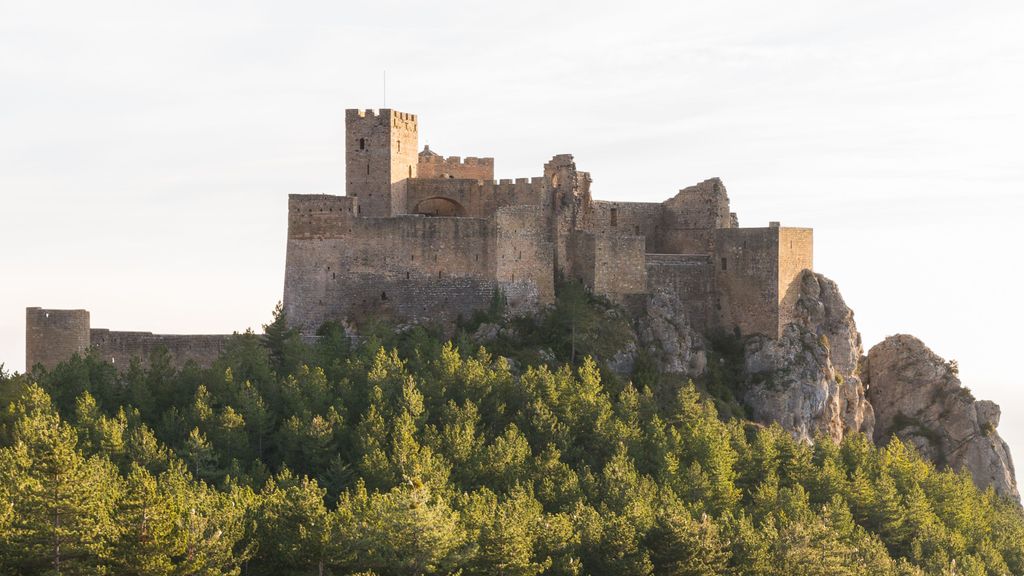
pixel 918 398
pixel 808 379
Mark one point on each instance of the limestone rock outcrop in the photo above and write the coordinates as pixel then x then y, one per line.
pixel 918 397
pixel 665 332
pixel 807 380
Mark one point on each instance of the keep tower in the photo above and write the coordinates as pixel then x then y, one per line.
pixel 380 157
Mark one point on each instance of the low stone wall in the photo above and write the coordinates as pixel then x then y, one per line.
pixel 119 348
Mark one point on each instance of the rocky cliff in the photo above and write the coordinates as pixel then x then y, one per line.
pixel 665 332
pixel 808 379
pixel 918 397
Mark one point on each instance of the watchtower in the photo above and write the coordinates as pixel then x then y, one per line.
pixel 53 336
pixel 380 156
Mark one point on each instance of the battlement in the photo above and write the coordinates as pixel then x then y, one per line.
pixel 381 115
pixel 512 185
pixel 433 165
pixel 456 160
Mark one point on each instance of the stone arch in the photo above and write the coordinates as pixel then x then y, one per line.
pixel 439 206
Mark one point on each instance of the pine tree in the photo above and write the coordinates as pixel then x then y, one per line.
pixel 291 526
pixel 146 545
pixel 61 519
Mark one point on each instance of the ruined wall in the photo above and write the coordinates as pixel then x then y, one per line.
pixel 691 216
pixel 796 254
pixel 626 219
pixel 747 270
pixel 524 254
pixel 380 156
pixel 475 198
pixel 566 201
pixel 52 336
pixel 436 166
pixel 119 348
pixel 692 279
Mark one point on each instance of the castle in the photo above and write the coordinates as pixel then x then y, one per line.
pixel 419 237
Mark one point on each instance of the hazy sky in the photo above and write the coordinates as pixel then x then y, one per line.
pixel 147 148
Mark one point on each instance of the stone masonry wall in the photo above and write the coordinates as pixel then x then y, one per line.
pixel 691 278
pixel 380 156
pixel 611 266
pixel 691 216
pixel 796 254
pixel 476 198
pixel 317 215
pixel 412 268
pixel 524 251
pixel 746 268
pixel 119 348
pixel 52 336
pixel 434 166
pixel 626 219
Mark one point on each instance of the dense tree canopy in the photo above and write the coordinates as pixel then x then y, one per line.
pixel 408 455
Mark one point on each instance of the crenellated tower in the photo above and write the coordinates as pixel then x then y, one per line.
pixel 380 157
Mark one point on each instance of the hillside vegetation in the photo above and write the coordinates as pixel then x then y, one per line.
pixel 409 455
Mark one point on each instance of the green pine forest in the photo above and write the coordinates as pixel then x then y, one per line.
pixel 408 453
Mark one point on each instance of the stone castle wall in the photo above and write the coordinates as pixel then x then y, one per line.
pixel 474 198
pixel 796 254
pixel 410 268
pixel 610 265
pixel 746 271
pixel 755 270
pixel 692 278
pixel 524 254
pixel 691 218
pixel 119 348
pixel 627 219
pixel 434 166
pixel 53 336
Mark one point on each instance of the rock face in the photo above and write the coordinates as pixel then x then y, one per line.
pixel 918 397
pixel 808 379
pixel 664 330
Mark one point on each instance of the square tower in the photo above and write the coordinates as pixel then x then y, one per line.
pixel 758 272
pixel 380 156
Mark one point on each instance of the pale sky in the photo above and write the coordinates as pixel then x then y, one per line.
pixel 147 148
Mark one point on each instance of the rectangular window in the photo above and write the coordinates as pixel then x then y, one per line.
pixel 725 264
pixel 614 216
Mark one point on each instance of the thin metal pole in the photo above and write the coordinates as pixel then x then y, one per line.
pixel 385 89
